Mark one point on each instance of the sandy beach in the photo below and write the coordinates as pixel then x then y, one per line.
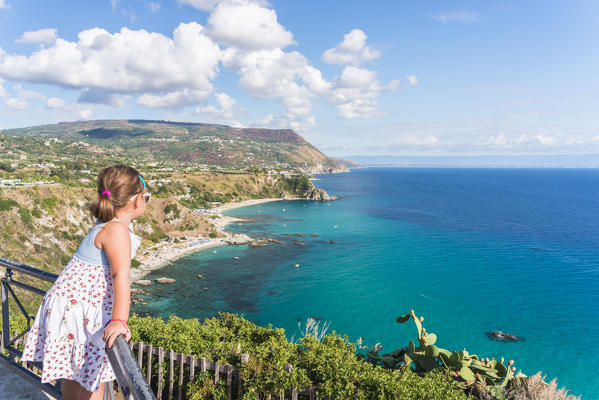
pixel 251 202
pixel 163 253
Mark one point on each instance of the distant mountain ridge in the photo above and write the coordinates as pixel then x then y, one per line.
pixel 191 144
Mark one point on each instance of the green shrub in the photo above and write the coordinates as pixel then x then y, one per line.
pixel 135 263
pixel 172 208
pixel 203 388
pixel 26 216
pixel 7 204
pixel 156 235
pixel 49 203
pixel 213 235
pixel 331 364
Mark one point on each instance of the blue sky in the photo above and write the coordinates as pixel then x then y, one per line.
pixel 353 77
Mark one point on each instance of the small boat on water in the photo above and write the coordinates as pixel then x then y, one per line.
pixel 503 337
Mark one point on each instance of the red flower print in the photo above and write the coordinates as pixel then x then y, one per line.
pixel 71 336
pixel 73 301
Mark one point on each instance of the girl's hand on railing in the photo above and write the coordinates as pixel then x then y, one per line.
pixel 112 330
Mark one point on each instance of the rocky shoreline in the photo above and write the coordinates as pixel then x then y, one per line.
pixel 164 253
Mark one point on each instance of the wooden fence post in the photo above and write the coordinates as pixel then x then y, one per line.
pixel 180 381
pixel 192 367
pixel 244 359
pixel 171 359
pixel 160 372
pixel 229 382
pixel 149 364
pixel 140 353
pixel 216 372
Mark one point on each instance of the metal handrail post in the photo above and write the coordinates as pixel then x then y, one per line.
pixel 127 371
pixel 5 314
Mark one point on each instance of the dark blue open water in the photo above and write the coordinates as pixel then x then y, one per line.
pixel 472 250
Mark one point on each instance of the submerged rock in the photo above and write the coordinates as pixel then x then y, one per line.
pixel 200 276
pixel 165 280
pixel 503 337
pixel 139 291
pixel 259 243
pixel 143 282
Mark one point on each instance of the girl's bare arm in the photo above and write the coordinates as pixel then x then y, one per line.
pixel 116 243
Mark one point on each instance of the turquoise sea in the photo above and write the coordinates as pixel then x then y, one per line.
pixel 471 250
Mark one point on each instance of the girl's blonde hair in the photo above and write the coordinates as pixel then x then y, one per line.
pixel 116 185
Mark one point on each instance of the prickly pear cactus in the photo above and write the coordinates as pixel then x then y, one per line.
pixel 426 356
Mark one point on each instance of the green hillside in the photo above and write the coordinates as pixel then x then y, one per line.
pixel 170 144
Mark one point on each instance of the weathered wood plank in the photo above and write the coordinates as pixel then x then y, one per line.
pixel 180 381
pixel 229 382
pixel 216 372
pixel 140 353
pixel 244 358
pixel 160 372
pixel 192 367
pixel 171 358
pixel 149 364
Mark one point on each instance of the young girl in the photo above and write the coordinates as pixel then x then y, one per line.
pixel 88 305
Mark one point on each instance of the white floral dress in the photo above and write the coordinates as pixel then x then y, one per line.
pixel 67 333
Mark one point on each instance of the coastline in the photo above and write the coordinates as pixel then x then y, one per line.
pixel 162 254
pixel 230 206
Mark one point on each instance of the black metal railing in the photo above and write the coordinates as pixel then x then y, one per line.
pixel 8 344
pixel 128 373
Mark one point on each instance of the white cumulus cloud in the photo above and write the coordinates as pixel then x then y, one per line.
pixel 4 4
pixel 126 62
pixel 355 93
pixel 205 5
pixel 101 96
pixel 28 94
pixel 55 103
pixel 412 79
pixel 15 103
pixel 248 25
pixel 225 109
pixel 275 73
pixel 176 99
pixel 154 7
pixel 351 51
pixel 40 36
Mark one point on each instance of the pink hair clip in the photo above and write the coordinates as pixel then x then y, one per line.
pixel 107 193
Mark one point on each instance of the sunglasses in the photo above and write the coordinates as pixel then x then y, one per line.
pixel 147 197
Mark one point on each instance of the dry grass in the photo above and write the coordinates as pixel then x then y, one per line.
pixel 535 388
